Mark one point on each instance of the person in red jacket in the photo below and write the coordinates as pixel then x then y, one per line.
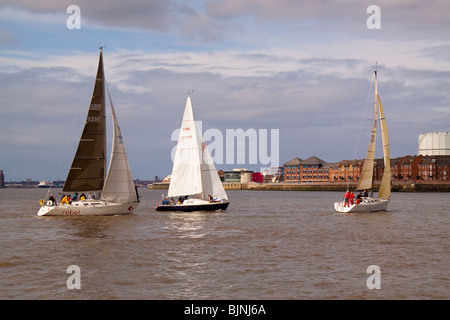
pixel 351 197
pixel 347 199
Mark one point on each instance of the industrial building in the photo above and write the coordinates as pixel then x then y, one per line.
pixel 434 144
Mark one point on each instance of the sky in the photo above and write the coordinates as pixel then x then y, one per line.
pixel 301 70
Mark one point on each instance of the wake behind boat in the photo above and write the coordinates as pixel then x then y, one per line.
pixel 92 193
pixel 193 173
pixel 372 204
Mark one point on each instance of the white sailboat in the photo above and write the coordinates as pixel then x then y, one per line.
pixel 193 173
pixel 372 204
pixel 97 194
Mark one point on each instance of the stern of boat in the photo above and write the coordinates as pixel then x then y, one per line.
pixel 340 207
pixel 45 210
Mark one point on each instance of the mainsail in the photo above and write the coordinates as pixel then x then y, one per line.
pixel 193 169
pixel 365 180
pixel 119 185
pixel 87 172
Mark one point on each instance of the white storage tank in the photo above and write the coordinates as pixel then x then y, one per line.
pixel 434 144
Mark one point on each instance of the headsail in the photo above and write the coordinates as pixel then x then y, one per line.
pixel 385 187
pixel 119 185
pixel 210 178
pixel 87 172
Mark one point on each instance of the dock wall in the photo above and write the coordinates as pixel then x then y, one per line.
pixel 408 186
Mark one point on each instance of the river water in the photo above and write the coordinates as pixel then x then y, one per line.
pixel 268 245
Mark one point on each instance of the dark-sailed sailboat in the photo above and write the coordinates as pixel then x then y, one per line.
pixel 98 194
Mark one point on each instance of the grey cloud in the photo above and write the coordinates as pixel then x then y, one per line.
pixel 145 15
pixel 222 20
pixel 316 112
pixel 398 19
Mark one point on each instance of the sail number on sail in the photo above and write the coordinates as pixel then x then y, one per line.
pixel 93 119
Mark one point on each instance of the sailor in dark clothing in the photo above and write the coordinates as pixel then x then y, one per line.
pixel 52 199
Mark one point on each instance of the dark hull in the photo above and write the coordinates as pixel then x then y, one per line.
pixel 190 208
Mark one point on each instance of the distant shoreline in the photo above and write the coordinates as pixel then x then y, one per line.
pixel 408 186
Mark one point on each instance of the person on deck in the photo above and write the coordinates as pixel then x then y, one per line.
pixel 64 200
pixel 351 197
pixel 358 198
pixel 52 199
pixel 346 199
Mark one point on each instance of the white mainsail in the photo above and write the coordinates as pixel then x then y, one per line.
pixel 119 185
pixel 193 168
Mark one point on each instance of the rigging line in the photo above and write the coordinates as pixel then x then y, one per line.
pixel 69 135
pixel 361 125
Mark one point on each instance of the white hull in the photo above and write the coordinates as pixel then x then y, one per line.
pixel 367 205
pixel 88 208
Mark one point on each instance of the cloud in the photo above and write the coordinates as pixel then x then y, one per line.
pixel 343 15
pixel 135 15
pixel 307 99
pixel 304 68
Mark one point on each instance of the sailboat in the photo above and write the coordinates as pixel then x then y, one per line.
pixel 96 194
pixel 195 184
pixel 370 203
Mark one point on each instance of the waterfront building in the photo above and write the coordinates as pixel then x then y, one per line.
pixel 271 174
pixel 292 170
pixel 312 169
pixel 237 175
pixel 346 170
pixel 404 168
pixel 434 168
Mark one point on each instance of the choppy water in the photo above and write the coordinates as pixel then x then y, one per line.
pixel 267 245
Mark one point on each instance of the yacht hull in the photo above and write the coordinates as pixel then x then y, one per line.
pixel 367 205
pixel 193 206
pixel 88 208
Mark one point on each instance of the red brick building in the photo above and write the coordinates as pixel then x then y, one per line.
pixel 312 169
pixel 405 168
